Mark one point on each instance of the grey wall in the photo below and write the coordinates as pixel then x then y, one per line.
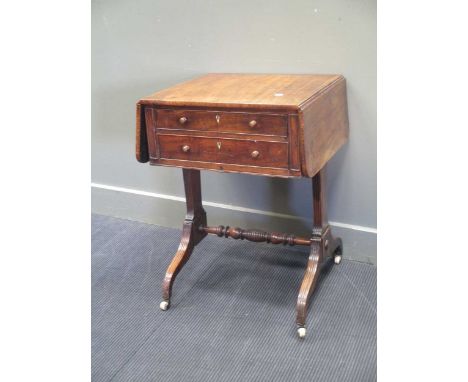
pixel 139 47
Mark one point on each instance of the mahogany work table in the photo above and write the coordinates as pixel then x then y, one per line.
pixel 264 124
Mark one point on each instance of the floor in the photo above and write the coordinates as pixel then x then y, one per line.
pixel 232 316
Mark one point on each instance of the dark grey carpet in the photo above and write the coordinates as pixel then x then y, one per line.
pixel 232 313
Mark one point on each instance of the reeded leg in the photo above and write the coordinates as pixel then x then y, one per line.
pixel 323 245
pixel 308 285
pixel 191 236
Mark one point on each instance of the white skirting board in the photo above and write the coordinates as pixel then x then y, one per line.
pixel 360 243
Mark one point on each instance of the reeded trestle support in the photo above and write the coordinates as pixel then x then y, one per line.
pixel 322 243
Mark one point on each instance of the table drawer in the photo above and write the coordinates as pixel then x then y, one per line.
pixel 229 122
pixel 228 151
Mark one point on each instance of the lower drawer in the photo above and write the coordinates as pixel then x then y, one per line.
pixel 229 151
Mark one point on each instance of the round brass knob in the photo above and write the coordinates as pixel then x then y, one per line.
pixel 186 148
pixel 255 154
pixel 253 123
pixel 182 120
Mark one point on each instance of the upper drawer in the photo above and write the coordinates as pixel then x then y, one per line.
pixel 227 122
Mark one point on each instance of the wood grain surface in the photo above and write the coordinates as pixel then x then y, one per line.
pixel 229 151
pixel 324 126
pixel 288 91
pixel 308 113
pixel 253 123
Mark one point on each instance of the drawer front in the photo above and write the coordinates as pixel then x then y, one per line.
pixel 228 122
pixel 228 151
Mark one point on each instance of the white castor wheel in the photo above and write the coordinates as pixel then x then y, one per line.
pixel 164 305
pixel 337 259
pixel 301 332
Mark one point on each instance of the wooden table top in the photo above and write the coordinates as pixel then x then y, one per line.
pixel 288 91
